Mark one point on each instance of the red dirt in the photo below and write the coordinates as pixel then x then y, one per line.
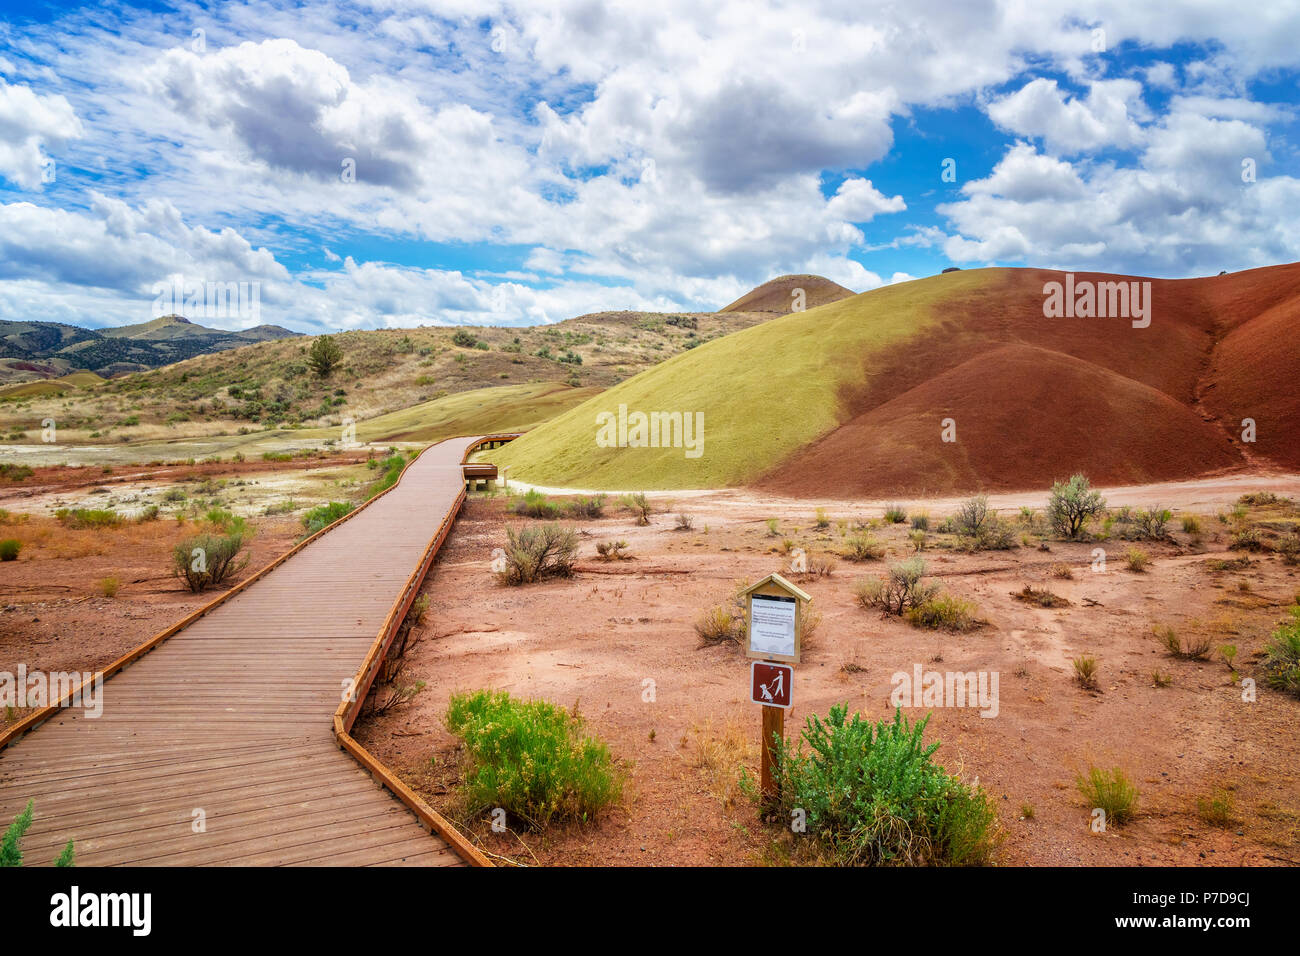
pixel 595 639
pixel 777 295
pixel 1029 409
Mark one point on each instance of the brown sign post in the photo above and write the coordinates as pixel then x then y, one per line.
pixel 774 610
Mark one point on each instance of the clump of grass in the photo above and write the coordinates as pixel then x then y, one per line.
pixel 773 527
pixel 921 521
pixel 612 550
pixel 535 553
pixel 820 521
pixel 10 549
pixel 1111 791
pixel 685 522
pixel 918 539
pixel 1085 671
pixel 895 514
pixel 1191 524
pixel 1184 648
pixel 531 758
pixel 1062 571
pixel 862 547
pixel 1161 680
pixel 1217 808
pixel 1228 564
pixel 872 794
pixel 109 586
pixel 1136 559
pixel 944 612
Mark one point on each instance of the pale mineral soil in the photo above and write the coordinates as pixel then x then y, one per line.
pixel 596 640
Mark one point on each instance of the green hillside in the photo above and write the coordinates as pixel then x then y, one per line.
pixel 764 391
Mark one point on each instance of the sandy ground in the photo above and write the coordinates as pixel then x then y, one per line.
pixel 54 615
pixel 595 641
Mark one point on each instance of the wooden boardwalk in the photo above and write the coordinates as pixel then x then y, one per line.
pixel 231 720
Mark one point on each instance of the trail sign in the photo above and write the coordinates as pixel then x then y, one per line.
pixel 770 683
pixel 774 610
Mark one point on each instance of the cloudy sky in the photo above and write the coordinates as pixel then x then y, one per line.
pixel 404 162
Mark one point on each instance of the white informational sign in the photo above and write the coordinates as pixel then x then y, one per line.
pixel 771 625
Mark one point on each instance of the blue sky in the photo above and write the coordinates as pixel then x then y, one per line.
pixel 518 163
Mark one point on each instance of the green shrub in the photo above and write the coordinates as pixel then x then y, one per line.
pixel 11 853
pixel 534 504
pixel 1187 649
pixel 532 759
pixel 1191 524
pixel 88 517
pixel 1111 791
pixel 862 547
pixel 324 515
pixel 1072 504
pixel 1217 808
pixel 206 560
pixel 871 794
pixel 902 589
pixel 534 553
pixel 14 472
pixel 1085 671
pixel 1137 559
pixel 944 612
pixel 9 549
pixel 639 505
pixel 1282 656
pixel 586 507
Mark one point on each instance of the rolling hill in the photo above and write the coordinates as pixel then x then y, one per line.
pixel 779 295
pixel 849 398
pixel 37 350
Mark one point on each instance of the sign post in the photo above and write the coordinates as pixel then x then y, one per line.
pixel 774 632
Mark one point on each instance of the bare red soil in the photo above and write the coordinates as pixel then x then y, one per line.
pixel 1035 398
pixel 593 641
pixel 777 295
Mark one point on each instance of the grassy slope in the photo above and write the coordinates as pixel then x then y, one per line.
pixel 502 409
pixel 765 391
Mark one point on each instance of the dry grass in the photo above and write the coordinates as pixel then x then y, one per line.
pixel 720 754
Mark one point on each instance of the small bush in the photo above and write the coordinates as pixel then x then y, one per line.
pixel 532 759
pixel 917 538
pixel 206 560
pixel 1246 539
pixel 820 521
pixel 871 794
pixel 944 612
pixel 1062 571
pixel 9 549
pixel 324 516
pixel 685 522
pixel 719 625
pixel 902 589
pixel 921 521
pixel 640 507
pixel 612 550
pixel 11 853
pixel 1111 791
pixel 96 518
pixel 534 553
pixel 1191 524
pixel 1282 656
pixel 971 516
pixel 772 528
pixel 1136 559
pixel 585 507
pixel 534 504
pixel 1288 549
pixel 862 547
pixel 109 587
pixel 1072 504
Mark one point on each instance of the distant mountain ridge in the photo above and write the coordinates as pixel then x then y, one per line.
pixel 30 351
